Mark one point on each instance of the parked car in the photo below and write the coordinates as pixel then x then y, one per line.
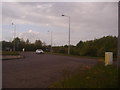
pixel 39 51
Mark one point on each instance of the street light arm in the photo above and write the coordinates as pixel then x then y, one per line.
pixel 65 15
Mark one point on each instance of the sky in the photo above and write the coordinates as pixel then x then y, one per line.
pixel 40 20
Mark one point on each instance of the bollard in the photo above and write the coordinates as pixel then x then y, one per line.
pixel 108 58
pixel 23 49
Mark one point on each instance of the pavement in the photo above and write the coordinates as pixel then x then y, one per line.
pixel 40 70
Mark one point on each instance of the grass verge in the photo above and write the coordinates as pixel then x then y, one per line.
pixel 99 76
pixel 75 55
pixel 9 53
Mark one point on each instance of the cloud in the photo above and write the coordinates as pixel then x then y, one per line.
pixel 57 37
pixel 31 33
pixel 89 20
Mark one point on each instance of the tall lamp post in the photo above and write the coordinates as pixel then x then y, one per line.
pixel 68 35
pixel 51 42
pixel 14 35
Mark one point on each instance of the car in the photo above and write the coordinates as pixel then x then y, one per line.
pixel 39 51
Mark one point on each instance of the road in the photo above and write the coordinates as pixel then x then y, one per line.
pixel 39 71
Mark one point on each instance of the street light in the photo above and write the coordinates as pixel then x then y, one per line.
pixel 14 35
pixel 51 42
pixel 68 35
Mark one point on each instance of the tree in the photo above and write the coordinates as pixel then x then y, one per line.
pixel 17 42
pixel 98 47
pixel 6 45
pixel 80 44
pixel 27 41
pixel 38 44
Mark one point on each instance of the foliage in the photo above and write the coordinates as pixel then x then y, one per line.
pixel 94 48
pixel 20 44
pixel 99 76
pixel 60 49
pixel 97 47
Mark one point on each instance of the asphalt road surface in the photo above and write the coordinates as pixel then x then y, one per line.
pixel 39 71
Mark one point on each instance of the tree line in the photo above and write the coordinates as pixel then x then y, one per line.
pixel 21 43
pixel 95 48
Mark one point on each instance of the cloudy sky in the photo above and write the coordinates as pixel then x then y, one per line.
pixel 89 20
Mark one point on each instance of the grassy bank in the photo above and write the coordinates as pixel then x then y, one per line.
pixel 100 59
pixel 99 76
pixel 75 55
pixel 9 53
